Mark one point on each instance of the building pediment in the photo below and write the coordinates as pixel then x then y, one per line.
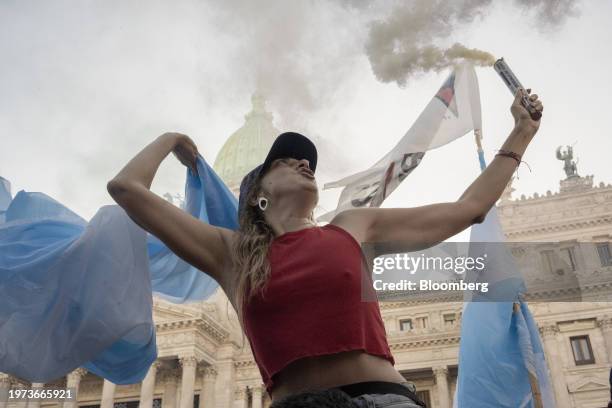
pixel 164 315
pixel 164 311
pixel 588 384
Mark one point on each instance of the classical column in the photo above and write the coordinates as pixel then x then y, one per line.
pixel 605 325
pixel 257 396
pixel 240 397
pixel 5 386
pixel 557 376
pixel 73 380
pixel 108 394
pixel 189 364
pixel 170 378
pixel 441 374
pixel 35 402
pixel 226 374
pixel 147 388
pixel 207 398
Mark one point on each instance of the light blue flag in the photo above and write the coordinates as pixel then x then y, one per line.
pixel 501 359
pixel 208 199
pixel 76 293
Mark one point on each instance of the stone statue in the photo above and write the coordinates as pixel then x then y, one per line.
pixel 569 165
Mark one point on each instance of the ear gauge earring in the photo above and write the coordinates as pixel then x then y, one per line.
pixel 262 202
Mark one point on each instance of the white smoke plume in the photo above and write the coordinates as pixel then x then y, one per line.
pixel 550 13
pixel 94 82
pixel 405 43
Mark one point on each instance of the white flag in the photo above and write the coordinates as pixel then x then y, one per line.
pixel 452 112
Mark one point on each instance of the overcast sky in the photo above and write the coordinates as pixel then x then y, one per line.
pixel 86 84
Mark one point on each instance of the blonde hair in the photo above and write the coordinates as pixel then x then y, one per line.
pixel 250 250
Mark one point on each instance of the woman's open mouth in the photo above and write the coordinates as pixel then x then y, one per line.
pixel 307 172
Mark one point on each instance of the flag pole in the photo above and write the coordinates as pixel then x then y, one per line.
pixel 481 158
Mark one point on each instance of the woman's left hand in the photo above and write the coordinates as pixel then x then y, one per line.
pixel 522 118
pixel 185 150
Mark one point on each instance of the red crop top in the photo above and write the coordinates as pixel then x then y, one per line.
pixel 312 302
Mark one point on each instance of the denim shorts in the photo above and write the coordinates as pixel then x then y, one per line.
pixel 384 400
pixel 387 400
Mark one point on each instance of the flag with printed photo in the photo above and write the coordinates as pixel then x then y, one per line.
pixel 452 112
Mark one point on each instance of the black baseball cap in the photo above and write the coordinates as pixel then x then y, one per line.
pixel 288 144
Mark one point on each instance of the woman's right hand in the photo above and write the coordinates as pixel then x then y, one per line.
pixel 522 118
pixel 185 150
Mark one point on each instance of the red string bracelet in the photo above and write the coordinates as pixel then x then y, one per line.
pixel 515 156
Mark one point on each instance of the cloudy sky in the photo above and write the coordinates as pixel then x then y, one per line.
pixel 86 84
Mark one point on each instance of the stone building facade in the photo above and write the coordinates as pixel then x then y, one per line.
pixel 205 360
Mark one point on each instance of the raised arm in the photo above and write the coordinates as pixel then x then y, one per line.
pixel 202 245
pixel 421 227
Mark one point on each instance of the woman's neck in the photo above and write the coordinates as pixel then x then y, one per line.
pixel 289 224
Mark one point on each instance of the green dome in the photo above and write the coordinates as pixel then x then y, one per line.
pixel 248 146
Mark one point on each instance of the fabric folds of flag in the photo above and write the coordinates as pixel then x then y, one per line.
pixel 208 199
pixel 451 113
pixel 76 293
pixel 501 358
